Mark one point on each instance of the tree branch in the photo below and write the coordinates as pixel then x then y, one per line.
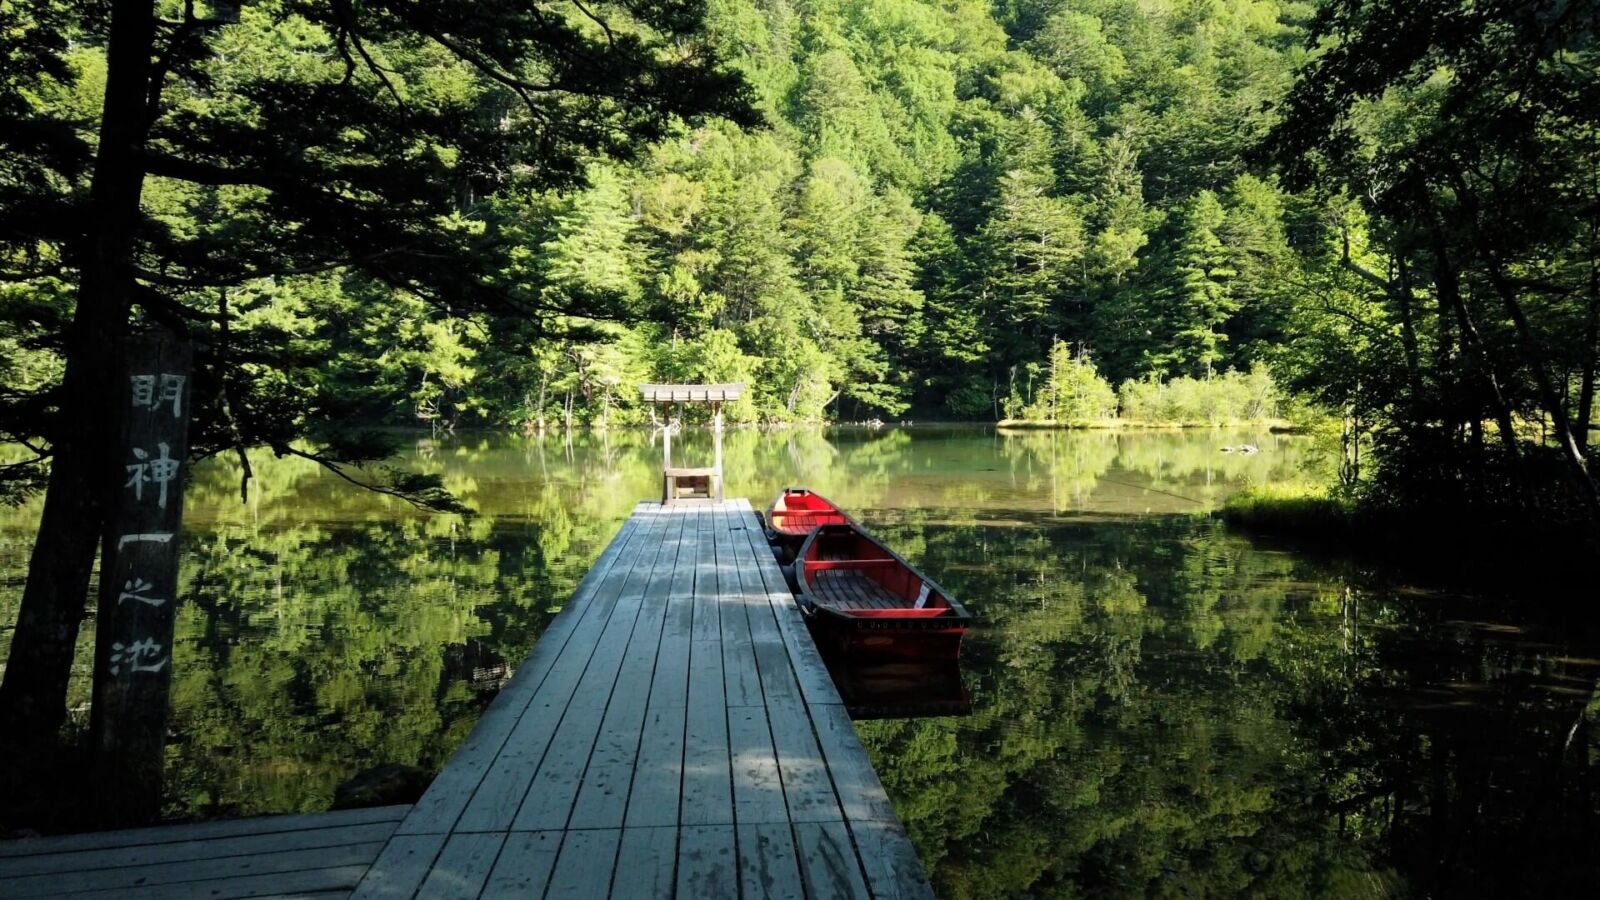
pixel 165 166
pixel 348 26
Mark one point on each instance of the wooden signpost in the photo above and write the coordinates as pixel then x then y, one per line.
pixel 139 580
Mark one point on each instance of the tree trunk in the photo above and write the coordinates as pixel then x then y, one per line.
pixel 1448 282
pixel 1571 451
pixel 33 695
pixel 1408 328
pixel 1591 341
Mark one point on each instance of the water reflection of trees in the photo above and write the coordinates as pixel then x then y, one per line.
pixel 1161 709
pixel 1190 466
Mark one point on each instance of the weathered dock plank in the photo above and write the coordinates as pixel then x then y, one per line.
pixel 454 788
pixel 523 869
pixel 646 864
pixel 768 866
pixel 198 831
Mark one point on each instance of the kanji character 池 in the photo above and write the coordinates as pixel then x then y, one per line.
pixel 139 656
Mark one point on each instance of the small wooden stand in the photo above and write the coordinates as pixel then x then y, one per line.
pixel 678 483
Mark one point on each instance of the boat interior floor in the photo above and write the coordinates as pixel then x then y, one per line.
pixel 845 589
pixel 852 589
pixel 797 519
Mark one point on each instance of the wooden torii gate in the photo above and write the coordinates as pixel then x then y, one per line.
pixel 691 483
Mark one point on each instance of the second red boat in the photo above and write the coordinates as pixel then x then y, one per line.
pixel 796 513
pixel 866 601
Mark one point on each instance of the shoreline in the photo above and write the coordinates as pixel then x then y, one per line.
pixel 1272 426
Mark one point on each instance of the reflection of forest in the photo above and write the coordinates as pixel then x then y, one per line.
pixel 1158 707
pixel 1162 710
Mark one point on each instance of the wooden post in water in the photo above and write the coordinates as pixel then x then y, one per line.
pixel 666 440
pixel 139 581
pixel 716 440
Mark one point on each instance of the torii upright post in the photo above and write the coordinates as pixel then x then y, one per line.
pixel 681 483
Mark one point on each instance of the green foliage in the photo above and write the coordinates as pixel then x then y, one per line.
pixel 1456 313
pixel 946 192
pixel 1291 509
pixel 1230 398
pixel 1071 393
pixel 332 199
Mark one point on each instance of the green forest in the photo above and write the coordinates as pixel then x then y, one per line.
pixel 1038 210
pixel 1163 211
pixel 1377 219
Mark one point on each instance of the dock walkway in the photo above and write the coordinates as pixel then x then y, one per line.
pixel 673 734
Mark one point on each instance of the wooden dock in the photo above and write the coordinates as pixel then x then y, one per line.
pixel 320 854
pixel 673 734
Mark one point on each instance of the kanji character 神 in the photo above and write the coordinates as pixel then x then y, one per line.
pixel 160 470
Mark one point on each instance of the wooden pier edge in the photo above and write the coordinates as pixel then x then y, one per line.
pixel 673 734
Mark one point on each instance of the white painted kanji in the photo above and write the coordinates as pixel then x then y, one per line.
pixel 159 471
pixel 140 656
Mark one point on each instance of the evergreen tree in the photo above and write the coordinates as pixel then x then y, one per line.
pixel 237 143
pixel 1202 299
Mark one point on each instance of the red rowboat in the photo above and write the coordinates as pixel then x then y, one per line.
pixel 796 512
pixel 863 599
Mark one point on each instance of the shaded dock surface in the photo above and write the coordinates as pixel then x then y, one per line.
pixel 673 734
pixel 320 855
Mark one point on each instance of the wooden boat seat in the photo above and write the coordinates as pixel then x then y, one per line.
pixel 802 519
pixel 849 589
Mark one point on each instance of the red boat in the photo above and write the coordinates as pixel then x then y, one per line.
pixel 865 601
pixel 796 513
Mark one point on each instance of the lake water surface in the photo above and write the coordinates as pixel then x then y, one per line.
pixel 1159 707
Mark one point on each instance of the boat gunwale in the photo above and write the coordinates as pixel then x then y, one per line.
pixel 793 535
pixel 958 617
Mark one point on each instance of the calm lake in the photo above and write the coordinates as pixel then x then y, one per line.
pixel 1159 707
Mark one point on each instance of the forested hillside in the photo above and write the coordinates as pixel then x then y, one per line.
pixel 1169 209
pixel 939 191
pixel 943 190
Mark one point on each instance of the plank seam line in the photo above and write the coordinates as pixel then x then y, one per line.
pixel 161 835
pixel 588 659
pixel 866 877
pixel 744 595
pixel 650 574
pixel 344 886
pixel 152 845
pixel 377 846
pixel 488 872
pixel 626 535
pixel 688 673
pixel 727 717
pixel 627 797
